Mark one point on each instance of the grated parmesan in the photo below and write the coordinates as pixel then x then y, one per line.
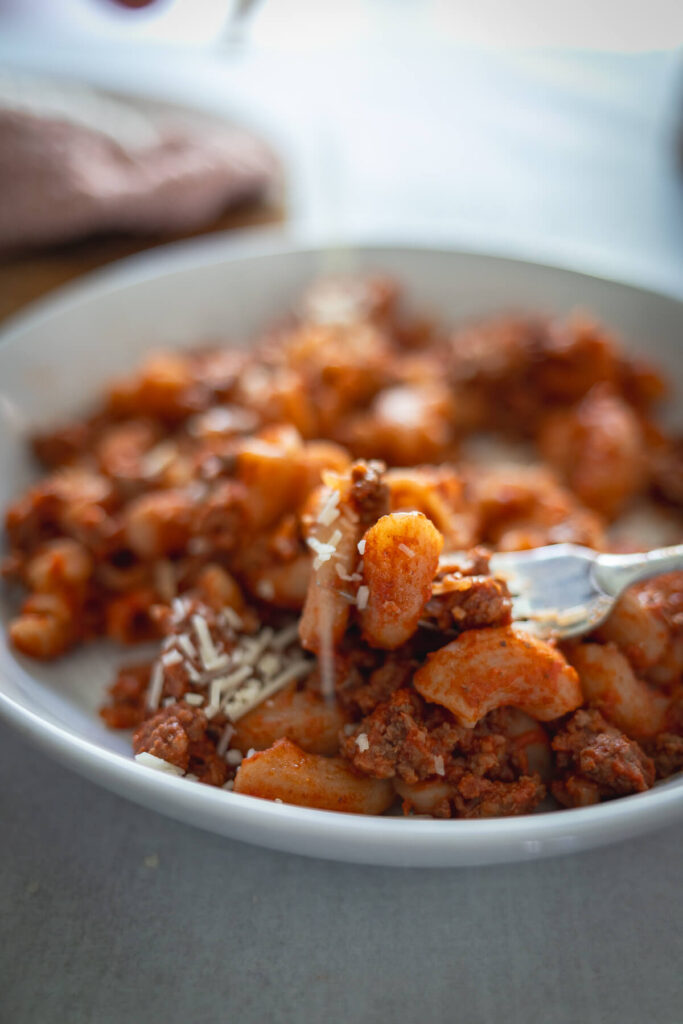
pixel 233 757
pixel 257 645
pixel 187 646
pixel 406 550
pixel 362 597
pixel 192 673
pixel 223 742
pixel 231 618
pixel 269 664
pixel 159 765
pixel 265 589
pixel 323 551
pixel 157 459
pixel 156 685
pixel 439 766
pixel 207 652
pixel 335 538
pixel 285 637
pixel 232 680
pixel 362 742
pixel 329 512
pixel 254 692
pixel 361 546
pixel 194 699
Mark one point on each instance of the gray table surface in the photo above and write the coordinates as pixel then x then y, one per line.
pixel 110 913
pixel 218 930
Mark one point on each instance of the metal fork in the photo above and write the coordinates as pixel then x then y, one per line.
pixel 565 590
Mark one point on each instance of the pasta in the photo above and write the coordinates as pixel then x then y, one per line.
pixel 304 530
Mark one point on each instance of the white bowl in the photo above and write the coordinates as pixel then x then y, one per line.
pixel 54 360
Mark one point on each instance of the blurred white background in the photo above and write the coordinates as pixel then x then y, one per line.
pixel 600 24
pixel 547 128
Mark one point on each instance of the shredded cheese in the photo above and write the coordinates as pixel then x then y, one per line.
pixel 265 589
pixel 285 637
pixel 362 742
pixel 207 652
pixel 156 685
pixel 223 742
pixel 231 618
pixel 194 699
pixel 439 766
pixel 323 551
pixel 406 550
pixel 192 673
pixel 233 679
pixel 186 645
pixel 362 597
pixel 157 459
pixel 361 546
pixel 335 538
pixel 329 512
pixel 159 765
pixel 257 646
pixel 269 664
pixel 254 692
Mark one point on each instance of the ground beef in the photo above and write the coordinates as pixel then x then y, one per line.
pixel 127 709
pixel 666 750
pixel 408 739
pixel 361 694
pixel 182 736
pixel 469 602
pixel 474 562
pixel 221 518
pixel 596 761
pixel 411 741
pixel 399 741
pixel 62 445
pixel 369 494
pixel 475 797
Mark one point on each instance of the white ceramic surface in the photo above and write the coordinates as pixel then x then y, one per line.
pixel 54 359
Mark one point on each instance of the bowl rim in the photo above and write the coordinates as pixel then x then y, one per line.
pixel 248 814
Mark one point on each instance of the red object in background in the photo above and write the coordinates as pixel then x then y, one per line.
pixel 133 3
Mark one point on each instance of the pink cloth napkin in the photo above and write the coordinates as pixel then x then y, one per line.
pixel 76 162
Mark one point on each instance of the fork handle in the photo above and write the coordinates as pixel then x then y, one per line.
pixel 614 573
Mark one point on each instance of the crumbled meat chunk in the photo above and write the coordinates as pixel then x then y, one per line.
pixel 666 750
pixel 400 744
pixel 369 493
pixel 411 740
pixel 469 602
pixel 591 751
pixel 180 735
pixel 476 797
pixel 361 695
pixel 127 709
